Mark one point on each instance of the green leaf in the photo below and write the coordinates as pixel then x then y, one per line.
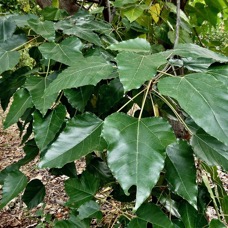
pixel 201 90
pixel 34 193
pixel 220 73
pixel 67 52
pixel 137 223
pixel 153 214
pixel 13 42
pixel 134 12
pixel 45 128
pixel 215 223
pixel 84 26
pixel 36 86
pixel 136 148
pixel 9 84
pixel 84 33
pixel 43 28
pixel 22 20
pixel 190 216
pixel 135 69
pixel 82 189
pixel 80 137
pixel 196 52
pixel 209 149
pixel 196 64
pixel 66 224
pixel 8 59
pixel 53 14
pixel 21 101
pixel 69 170
pixel 79 97
pixel 4 173
pixel 132 45
pixel 7 28
pixel 109 95
pixel 224 205
pixel 90 209
pixel 14 183
pixel 86 71
pixel 181 179
pixel 31 150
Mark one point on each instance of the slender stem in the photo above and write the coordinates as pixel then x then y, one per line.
pixel 177 24
pixel 48 68
pixel 19 47
pixel 155 109
pixel 131 99
pixel 144 98
pixel 174 111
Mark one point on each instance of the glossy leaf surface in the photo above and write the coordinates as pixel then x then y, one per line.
pixel 80 137
pixel 81 190
pixel 45 128
pixel 43 28
pixel 90 209
pixel 197 92
pixel 8 59
pixel 181 171
pixel 14 183
pixel 210 150
pixel 79 97
pixel 137 223
pixel 7 28
pixel 34 193
pixel 21 101
pixel 153 214
pixel 134 69
pixel 67 52
pixel 86 71
pixel 132 45
pixel 195 51
pixel 215 223
pixel 136 147
pixel 36 87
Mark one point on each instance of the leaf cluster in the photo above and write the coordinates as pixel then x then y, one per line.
pixel 142 116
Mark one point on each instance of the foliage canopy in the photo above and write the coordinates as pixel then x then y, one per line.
pixel 146 106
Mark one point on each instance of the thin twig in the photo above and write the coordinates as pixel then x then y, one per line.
pixel 144 98
pixel 177 25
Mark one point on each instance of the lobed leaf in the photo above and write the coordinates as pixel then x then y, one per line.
pixel 181 171
pixel 45 128
pixel 67 52
pixel 21 101
pixel 204 98
pixel 36 87
pixel 43 28
pixel 79 97
pixel 8 59
pixel 153 214
pixel 80 137
pixel 132 45
pixel 209 149
pixel 90 209
pixel 14 183
pixel 86 71
pixel 34 193
pixel 136 151
pixel 134 69
pixel 7 28
pixel 81 190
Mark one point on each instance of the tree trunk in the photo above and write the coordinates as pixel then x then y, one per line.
pixel 67 5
